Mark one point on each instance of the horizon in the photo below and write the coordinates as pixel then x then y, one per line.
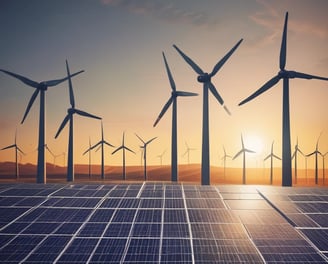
pixel 126 84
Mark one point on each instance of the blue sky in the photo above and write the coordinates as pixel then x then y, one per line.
pixel 119 43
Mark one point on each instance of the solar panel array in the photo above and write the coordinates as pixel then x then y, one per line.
pixel 161 223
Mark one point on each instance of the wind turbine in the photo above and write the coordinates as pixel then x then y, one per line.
pixel 271 156
pixel 243 151
pixel 144 148
pixel 161 157
pixel 69 118
pixel 205 79
pixel 51 153
pixel 123 148
pixel 41 87
pixel 316 153
pixel 295 156
pixel 17 151
pixel 174 140
pixel 187 152
pixel 285 75
pixel 323 167
pixel 101 143
pixel 224 158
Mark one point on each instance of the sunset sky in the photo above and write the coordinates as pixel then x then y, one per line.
pixel 119 44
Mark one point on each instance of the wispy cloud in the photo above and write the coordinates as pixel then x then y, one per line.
pixel 164 10
pixel 272 20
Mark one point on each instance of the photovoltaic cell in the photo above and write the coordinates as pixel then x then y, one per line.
pixel 109 251
pixel 142 250
pixel 176 251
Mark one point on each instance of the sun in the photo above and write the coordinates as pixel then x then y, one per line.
pixel 254 142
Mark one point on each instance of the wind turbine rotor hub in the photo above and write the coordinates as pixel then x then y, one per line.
pixel 70 111
pixel 43 86
pixel 284 74
pixel 204 78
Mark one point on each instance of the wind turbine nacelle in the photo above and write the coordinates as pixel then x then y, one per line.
pixel 204 78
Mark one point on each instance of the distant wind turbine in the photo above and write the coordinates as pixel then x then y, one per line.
pixel 51 153
pixel 41 87
pixel 101 143
pixel 271 156
pixel 17 151
pixel 316 153
pixel 161 157
pixel 224 158
pixel 285 75
pixel 187 152
pixel 323 167
pixel 294 156
pixel 205 78
pixel 243 151
pixel 123 148
pixel 144 148
pixel 69 118
pixel 174 141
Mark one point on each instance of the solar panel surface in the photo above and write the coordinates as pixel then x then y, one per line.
pixel 162 223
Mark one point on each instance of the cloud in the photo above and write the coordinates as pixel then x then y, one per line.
pixel 272 19
pixel 164 10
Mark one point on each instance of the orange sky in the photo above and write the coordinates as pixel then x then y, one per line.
pixel 119 46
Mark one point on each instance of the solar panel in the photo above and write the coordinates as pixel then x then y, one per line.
pixel 161 223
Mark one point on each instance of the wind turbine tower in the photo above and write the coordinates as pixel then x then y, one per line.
pixel 271 156
pixel 144 148
pixel 294 156
pixel 243 151
pixel 173 100
pixel 69 118
pixel 123 148
pixel 316 153
pixel 284 75
pixel 205 79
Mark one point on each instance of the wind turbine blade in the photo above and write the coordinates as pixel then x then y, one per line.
pixel 172 83
pixel 82 113
pixel 166 106
pixel 140 138
pixel 52 154
pixel 218 66
pixel 181 93
pixel 56 82
pixel 242 141
pixel 70 86
pixel 184 154
pixel 63 124
pixel 20 150
pixel 129 149
pixel 22 79
pixel 215 93
pixel 98 148
pixel 121 147
pixel 30 103
pixel 8 147
pixel 237 154
pixel 307 76
pixel 150 140
pixel 308 155
pixel 267 157
pixel 227 110
pixel 108 144
pixel 293 156
pixel 300 151
pixel 264 88
pixel 249 151
pixel 274 155
pixel 189 61
pixel 283 48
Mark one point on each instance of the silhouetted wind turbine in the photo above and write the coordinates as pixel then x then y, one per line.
pixel 285 75
pixel 17 151
pixel 144 148
pixel 174 141
pixel 69 118
pixel 205 78
pixel 295 156
pixel 224 158
pixel 243 151
pixel 123 148
pixel 161 157
pixel 41 87
pixel 51 153
pixel 271 156
pixel 323 167
pixel 101 143
pixel 187 152
pixel 316 153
